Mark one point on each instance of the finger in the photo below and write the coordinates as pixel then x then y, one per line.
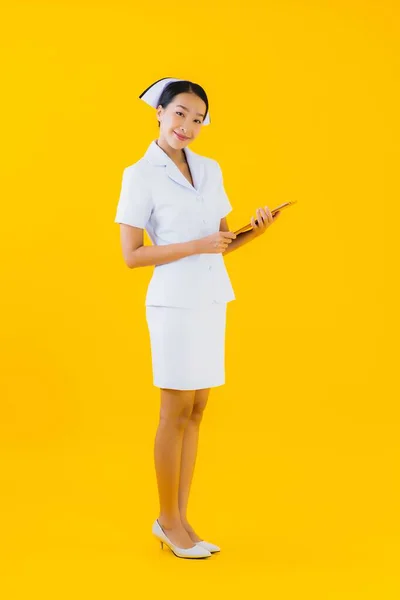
pixel 264 216
pixel 269 213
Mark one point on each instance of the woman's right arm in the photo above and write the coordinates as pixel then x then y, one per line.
pixel 137 255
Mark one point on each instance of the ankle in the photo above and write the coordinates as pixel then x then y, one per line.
pixel 169 522
pixel 186 523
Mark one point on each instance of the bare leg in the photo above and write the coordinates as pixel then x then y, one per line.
pixel 189 454
pixel 176 407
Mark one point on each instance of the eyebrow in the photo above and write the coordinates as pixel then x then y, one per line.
pixel 180 105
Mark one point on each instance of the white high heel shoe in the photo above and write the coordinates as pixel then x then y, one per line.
pixel 195 551
pixel 209 546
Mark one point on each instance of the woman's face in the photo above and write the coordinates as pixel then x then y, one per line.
pixel 184 115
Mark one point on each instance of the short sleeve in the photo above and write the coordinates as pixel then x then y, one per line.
pixel 135 201
pixel 225 206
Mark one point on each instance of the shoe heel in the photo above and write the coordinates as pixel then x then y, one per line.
pixel 193 552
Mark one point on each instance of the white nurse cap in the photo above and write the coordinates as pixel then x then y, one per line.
pixel 152 94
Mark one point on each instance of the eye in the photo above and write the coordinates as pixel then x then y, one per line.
pixel 178 112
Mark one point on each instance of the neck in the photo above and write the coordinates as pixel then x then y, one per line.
pixel 178 156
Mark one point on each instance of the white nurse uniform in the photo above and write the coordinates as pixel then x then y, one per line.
pixel 187 298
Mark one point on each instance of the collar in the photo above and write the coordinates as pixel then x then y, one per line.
pixel 158 158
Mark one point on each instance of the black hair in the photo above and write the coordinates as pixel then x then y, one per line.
pixel 180 87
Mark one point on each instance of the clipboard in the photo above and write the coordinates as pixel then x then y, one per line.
pixel 273 211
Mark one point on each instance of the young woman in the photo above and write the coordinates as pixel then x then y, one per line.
pixel 178 196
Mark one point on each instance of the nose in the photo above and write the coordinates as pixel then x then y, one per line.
pixel 185 125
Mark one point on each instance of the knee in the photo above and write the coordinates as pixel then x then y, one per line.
pixel 183 417
pixel 178 419
pixel 176 410
pixel 196 417
pixel 197 412
pixel 199 405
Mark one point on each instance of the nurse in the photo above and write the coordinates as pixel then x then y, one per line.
pixel 178 197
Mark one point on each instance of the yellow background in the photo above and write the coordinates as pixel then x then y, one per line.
pixel 298 463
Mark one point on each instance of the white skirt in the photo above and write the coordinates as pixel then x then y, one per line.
pixel 187 346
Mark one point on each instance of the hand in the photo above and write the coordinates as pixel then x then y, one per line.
pixel 264 220
pixel 215 243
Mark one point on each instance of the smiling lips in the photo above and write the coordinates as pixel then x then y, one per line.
pixel 181 137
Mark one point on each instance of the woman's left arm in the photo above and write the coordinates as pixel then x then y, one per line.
pixel 265 220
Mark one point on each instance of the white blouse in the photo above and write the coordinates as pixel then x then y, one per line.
pixel 157 197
